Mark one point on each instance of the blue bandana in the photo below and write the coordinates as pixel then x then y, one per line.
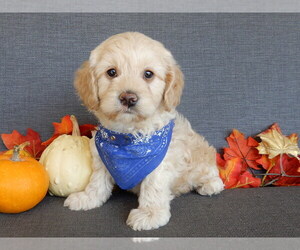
pixel 129 158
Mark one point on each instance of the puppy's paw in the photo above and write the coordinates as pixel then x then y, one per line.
pixel 147 218
pixel 212 186
pixel 80 201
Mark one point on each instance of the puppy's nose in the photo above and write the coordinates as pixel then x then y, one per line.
pixel 128 98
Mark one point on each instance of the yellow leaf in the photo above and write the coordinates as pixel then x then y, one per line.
pixel 275 143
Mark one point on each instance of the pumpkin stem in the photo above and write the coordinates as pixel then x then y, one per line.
pixel 17 149
pixel 76 130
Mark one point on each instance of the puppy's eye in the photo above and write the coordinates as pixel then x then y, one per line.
pixel 148 74
pixel 112 73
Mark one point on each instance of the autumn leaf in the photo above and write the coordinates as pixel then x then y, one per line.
pixel 247 180
pixel 231 172
pixel 291 175
pixel 233 176
pixel 35 148
pixel 64 127
pixel 275 143
pixel 244 149
pixel 220 161
pixel 86 129
pixel 267 163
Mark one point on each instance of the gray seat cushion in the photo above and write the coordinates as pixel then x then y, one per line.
pixel 259 212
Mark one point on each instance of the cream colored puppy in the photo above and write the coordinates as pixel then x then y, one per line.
pixel 132 84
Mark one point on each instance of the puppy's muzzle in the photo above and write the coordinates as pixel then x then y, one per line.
pixel 128 99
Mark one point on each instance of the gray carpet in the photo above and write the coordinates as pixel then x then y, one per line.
pixel 262 212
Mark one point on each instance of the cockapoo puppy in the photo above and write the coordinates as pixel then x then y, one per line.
pixel 132 84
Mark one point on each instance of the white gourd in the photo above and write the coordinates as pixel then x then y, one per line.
pixel 68 161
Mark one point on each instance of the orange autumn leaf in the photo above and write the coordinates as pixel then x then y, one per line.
pixel 48 142
pixel 66 127
pixel 63 127
pixel 60 128
pixel 231 172
pixel 242 148
pixel 233 176
pixel 267 163
pixel 35 148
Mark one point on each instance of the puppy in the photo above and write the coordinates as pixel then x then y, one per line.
pixel 132 84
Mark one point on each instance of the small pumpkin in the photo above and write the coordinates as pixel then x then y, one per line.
pixel 21 152
pixel 23 182
pixel 68 161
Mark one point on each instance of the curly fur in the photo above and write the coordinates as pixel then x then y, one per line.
pixel 190 162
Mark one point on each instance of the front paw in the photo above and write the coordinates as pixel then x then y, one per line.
pixel 80 201
pixel 213 186
pixel 148 218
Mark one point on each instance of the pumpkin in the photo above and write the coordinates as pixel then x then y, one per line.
pixel 21 152
pixel 68 161
pixel 23 182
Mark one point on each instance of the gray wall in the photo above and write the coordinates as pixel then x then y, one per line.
pixel 241 70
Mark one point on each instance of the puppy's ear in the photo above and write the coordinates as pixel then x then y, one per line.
pixel 174 86
pixel 86 86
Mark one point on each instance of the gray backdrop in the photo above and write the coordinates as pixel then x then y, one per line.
pixel 241 70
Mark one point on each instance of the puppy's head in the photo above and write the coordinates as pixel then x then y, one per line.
pixel 128 78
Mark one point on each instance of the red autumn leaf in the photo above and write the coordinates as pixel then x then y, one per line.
pixel 247 180
pixel 15 138
pixel 242 148
pixel 86 130
pixel 220 161
pixel 290 167
pixel 64 127
pixel 233 175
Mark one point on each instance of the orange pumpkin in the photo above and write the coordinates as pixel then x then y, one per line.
pixel 23 182
pixel 22 152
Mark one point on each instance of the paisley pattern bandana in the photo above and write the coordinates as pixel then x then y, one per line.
pixel 130 158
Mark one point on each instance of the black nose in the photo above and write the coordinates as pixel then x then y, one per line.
pixel 128 98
